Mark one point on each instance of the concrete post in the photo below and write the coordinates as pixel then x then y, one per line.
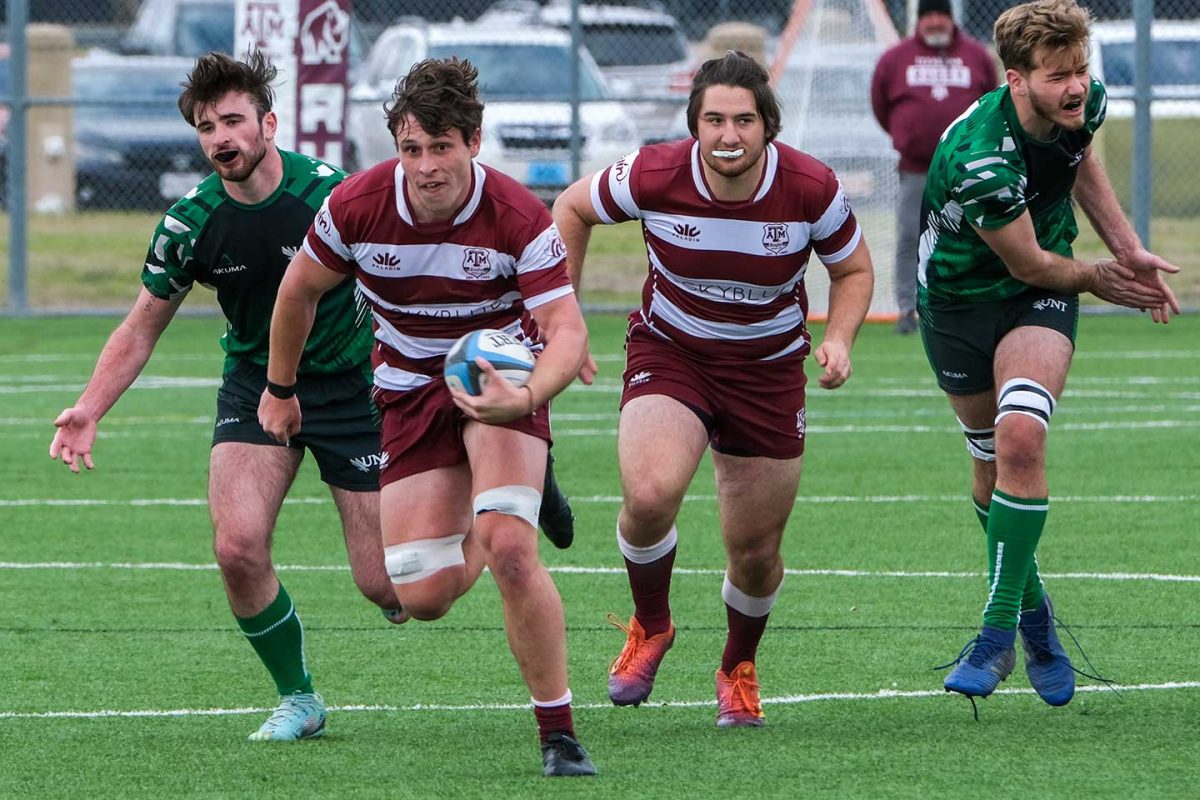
pixel 51 145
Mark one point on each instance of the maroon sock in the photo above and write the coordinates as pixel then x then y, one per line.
pixel 744 635
pixel 551 719
pixel 651 587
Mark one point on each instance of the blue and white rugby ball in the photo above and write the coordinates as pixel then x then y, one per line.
pixel 512 360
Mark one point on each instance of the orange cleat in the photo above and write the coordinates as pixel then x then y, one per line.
pixel 631 677
pixel 737 698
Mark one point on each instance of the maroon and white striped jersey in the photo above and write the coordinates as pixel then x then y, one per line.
pixel 727 279
pixel 428 284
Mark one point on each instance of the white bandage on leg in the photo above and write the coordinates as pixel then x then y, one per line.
pixel 1028 397
pixel 645 555
pixel 522 502
pixel 749 605
pixel 981 442
pixel 417 560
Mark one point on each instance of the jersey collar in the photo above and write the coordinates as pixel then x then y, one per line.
pixel 478 175
pixel 764 184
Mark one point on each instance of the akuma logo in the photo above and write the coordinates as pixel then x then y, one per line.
pixel 476 262
pixel 386 261
pixel 686 232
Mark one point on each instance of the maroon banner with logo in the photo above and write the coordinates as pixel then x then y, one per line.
pixel 322 78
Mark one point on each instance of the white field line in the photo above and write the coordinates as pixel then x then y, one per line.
pixel 783 700
pixel 175 566
pixel 612 498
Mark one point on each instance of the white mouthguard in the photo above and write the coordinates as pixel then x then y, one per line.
pixel 728 153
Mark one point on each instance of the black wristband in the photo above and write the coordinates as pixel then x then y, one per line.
pixel 281 391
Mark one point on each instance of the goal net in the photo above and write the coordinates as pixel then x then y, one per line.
pixel 822 74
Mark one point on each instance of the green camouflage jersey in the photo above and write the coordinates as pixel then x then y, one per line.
pixel 241 251
pixel 986 172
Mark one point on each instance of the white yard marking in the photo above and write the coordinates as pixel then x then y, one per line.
pixel 784 700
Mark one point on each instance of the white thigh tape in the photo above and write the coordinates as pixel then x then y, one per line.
pixel 522 502
pixel 414 561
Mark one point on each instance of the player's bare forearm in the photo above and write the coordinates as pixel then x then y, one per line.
pixel 304 283
pixel 1094 194
pixel 574 216
pixel 566 348
pixel 125 353
pixel 851 285
pixel 1017 245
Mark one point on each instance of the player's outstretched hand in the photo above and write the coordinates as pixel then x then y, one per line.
pixel 1148 269
pixel 835 358
pixel 1136 282
pixel 74 438
pixel 499 402
pixel 280 418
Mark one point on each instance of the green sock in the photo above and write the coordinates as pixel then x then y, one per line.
pixel 277 636
pixel 1034 591
pixel 1014 527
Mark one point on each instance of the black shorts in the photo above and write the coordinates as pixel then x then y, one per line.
pixel 340 424
pixel 960 337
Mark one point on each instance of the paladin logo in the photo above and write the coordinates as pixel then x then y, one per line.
pixel 775 237
pixel 687 232
pixel 476 262
pixel 290 252
pixel 1046 302
pixel 637 379
pixel 386 261
pixel 365 463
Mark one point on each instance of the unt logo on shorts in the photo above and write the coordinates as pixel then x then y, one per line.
pixel 775 237
pixel 476 262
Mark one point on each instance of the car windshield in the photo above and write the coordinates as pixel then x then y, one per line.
pixel 634 46
pixel 523 71
pixel 1172 63
pixel 107 90
pixel 203 28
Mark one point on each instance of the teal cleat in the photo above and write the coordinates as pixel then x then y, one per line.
pixel 1046 663
pixel 299 716
pixel 983 663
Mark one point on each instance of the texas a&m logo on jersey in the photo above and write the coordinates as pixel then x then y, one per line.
pixel 476 262
pixel 775 237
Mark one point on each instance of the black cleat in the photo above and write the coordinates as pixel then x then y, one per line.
pixel 555 518
pixel 563 757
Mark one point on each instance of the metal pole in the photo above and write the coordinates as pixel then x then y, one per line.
pixel 18 247
pixel 573 72
pixel 1143 14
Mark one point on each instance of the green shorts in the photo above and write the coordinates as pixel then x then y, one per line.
pixel 961 337
pixel 340 424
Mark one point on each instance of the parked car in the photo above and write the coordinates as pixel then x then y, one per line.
pixel 133 149
pixel 523 79
pixel 640 50
pixel 1174 66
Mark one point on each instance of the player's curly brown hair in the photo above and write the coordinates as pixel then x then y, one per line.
pixel 736 68
pixel 440 93
pixel 217 74
pixel 1047 24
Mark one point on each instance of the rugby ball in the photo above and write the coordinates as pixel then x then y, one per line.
pixel 512 360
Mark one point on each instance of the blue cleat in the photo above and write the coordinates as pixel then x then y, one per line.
pixel 1046 663
pixel 299 716
pixel 989 658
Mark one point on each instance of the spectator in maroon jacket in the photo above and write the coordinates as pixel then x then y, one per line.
pixel 920 86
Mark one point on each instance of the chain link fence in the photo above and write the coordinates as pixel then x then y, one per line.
pixel 570 87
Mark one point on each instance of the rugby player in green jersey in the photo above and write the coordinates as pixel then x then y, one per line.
pixel 236 232
pixel 999 304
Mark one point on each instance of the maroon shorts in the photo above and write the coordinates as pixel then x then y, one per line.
pixel 422 430
pixel 750 408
